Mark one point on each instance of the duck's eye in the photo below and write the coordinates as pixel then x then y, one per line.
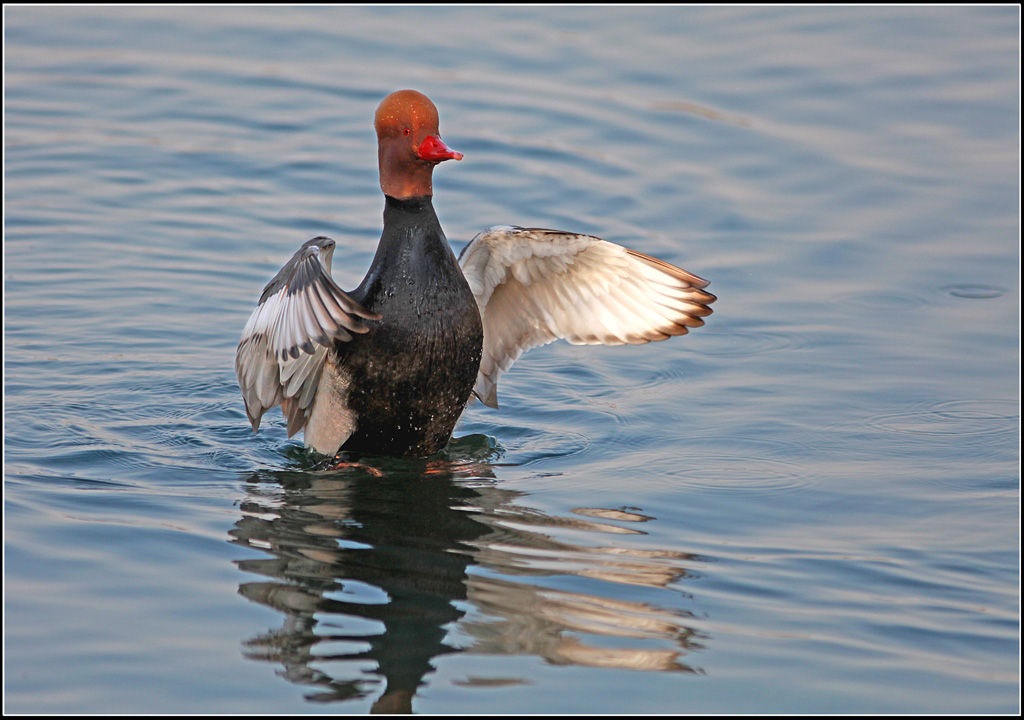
pixel 407 131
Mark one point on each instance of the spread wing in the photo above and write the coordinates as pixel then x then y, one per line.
pixel 534 286
pixel 281 354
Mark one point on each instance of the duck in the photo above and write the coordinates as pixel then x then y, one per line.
pixel 389 367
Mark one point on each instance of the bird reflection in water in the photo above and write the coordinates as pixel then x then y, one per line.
pixel 382 565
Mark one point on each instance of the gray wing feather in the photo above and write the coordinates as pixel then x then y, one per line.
pixel 300 315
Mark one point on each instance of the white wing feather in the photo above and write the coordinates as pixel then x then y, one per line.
pixel 534 286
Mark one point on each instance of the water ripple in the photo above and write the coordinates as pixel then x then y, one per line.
pixel 974 291
pixel 888 302
pixel 532 445
pixel 747 465
pixel 752 475
pixel 955 418
pixel 746 343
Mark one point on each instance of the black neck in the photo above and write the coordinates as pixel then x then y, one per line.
pixel 412 247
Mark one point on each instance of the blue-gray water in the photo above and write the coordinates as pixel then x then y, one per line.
pixel 809 505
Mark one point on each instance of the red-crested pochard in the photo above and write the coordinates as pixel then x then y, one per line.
pixel 387 368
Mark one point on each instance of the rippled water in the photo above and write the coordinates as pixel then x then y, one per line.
pixel 809 505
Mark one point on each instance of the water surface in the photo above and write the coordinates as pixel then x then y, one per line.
pixel 809 505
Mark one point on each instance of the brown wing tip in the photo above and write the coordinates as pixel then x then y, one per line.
pixel 677 272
